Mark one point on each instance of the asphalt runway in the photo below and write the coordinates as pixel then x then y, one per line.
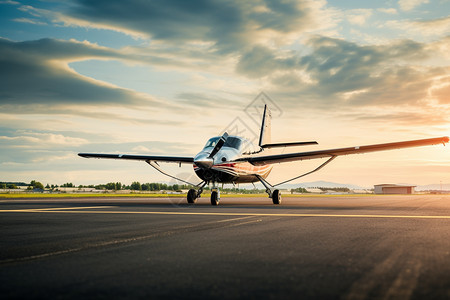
pixel 346 247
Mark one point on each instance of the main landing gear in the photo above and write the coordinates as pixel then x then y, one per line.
pixel 193 195
pixel 276 197
pixel 271 191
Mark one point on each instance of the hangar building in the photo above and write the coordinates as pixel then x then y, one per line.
pixel 394 189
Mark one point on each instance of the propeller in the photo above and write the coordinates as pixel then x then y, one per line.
pixel 206 162
pixel 219 145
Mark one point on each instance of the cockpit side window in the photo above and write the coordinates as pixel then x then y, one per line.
pixel 233 142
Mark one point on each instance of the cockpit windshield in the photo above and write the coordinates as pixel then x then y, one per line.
pixel 232 142
pixel 212 142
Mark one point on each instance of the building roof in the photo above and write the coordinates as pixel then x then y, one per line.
pixel 394 185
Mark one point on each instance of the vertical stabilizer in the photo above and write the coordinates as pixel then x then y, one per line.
pixel 265 136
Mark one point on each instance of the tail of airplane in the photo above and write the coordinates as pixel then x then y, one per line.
pixel 265 136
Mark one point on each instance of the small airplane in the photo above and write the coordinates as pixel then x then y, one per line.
pixel 234 159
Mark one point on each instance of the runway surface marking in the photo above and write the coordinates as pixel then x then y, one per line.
pixel 81 210
pixel 179 229
pixel 56 209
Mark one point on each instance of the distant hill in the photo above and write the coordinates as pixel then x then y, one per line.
pixel 433 187
pixel 325 184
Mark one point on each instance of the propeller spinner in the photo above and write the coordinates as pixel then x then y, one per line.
pixel 205 161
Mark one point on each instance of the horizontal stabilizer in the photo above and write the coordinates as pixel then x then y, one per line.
pixel 288 144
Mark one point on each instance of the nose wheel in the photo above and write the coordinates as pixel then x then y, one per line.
pixel 215 196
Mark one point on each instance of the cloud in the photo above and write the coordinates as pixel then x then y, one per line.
pixel 229 25
pixel 441 91
pixel 429 29
pixel 403 118
pixel 440 26
pixel 37 72
pixel 337 66
pixel 358 16
pixel 408 5
pixel 29 21
pixel 342 74
pixel 29 139
pixel 391 10
pixel 261 61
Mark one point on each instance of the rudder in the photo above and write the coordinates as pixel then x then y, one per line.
pixel 265 136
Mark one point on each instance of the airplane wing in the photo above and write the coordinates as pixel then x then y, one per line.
pixel 289 157
pixel 173 159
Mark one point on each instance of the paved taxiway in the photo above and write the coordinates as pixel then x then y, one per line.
pixel 390 247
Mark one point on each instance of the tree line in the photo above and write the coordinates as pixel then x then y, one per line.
pixel 137 186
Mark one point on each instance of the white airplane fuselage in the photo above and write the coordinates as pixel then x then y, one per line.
pixel 223 168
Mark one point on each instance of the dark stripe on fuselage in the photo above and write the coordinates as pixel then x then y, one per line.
pixel 233 172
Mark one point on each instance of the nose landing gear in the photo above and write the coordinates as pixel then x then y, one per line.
pixel 215 196
pixel 193 195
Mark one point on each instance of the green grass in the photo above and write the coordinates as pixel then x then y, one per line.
pixel 155 195
pixel 159 195
pixel 100 195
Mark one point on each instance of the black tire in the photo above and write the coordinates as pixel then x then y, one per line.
pixel 214 198
pixel 192 196
pixel 276 197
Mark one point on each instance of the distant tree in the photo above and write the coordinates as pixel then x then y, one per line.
pixel 2 185
pixel 299 190
pixel 36 185
pixel 146 187
pixel 110 186
pixel 136 186
pixel 12 186
pixel 100 187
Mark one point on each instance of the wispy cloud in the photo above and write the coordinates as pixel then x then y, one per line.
pixel 37 72
pixel 358 16
pixel 408 5
pixel 228 25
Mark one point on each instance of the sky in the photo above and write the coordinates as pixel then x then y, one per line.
pixel 162 77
